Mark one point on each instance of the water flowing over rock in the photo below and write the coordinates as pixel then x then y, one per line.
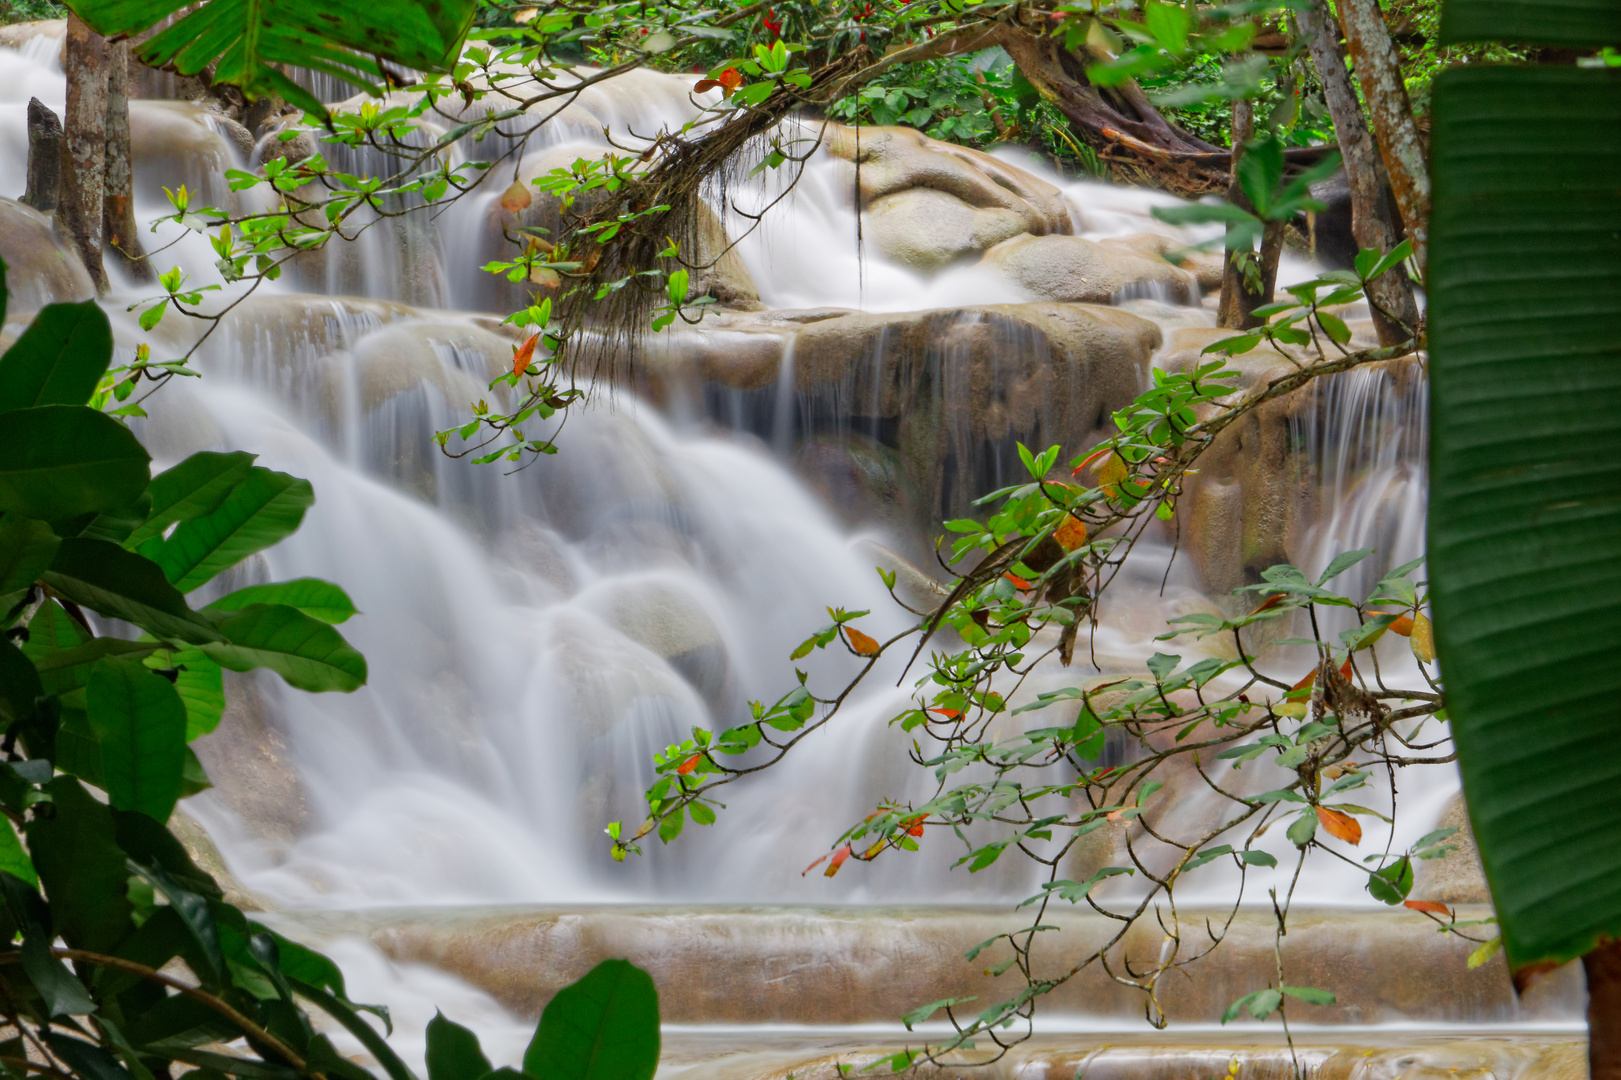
pixel 880 345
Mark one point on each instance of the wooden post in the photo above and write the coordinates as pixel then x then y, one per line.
pixel 84 146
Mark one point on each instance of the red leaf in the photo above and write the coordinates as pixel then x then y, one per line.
pixel 1428 905
pixel 1343 826
pixel 522 354
pixel 860 642
pixel 1269 603
pixel 1018 582
pixel 690 764
pixel 703 87
pixel 1090 458
pixel 838 860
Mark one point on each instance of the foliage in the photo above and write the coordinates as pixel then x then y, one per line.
pixel 1523 528
pixel 244 44
pixel 107 672
pixel 16 11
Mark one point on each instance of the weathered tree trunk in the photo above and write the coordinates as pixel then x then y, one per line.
pixel 118 202
pixel 84 146
pixel 1603 969
pixel 1390 295
pixel 1379 73
pixel 1238 299
pixel 44 158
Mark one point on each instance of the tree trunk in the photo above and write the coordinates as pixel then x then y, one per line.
pixel 1238 299
pixel 1379 73
pixel 44 158
pixel 84 146
pixel 1603 968
pixel 1390 295
pixel 118 203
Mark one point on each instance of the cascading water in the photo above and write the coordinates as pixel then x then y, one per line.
pixel 533 638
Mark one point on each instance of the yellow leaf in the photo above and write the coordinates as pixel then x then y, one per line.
pixel 1423 639
pixel 516 197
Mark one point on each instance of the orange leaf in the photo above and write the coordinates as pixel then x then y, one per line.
pixel 1402 626
pixel 949 714
pixel 1428 905
pixel 731 79
pixel 1110 473
pixel 1269 603
pixel 522 354
pixel 914 827
pixel 690 764
pixel 1117 815
pixel 838 860
pixel 1345 669
pixel 873 851
pixel 1090 458
pixel 860 642
pixel 1018 582
pixel 516 197
pixel 1340 825
pixel 1302 689
pixel 1071 534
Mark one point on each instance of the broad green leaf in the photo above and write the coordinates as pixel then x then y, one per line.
pixel 191 489
pixel 604 1027
pixel 1524 526
pixel 86 1059
pixel 81 867
pixel 140 724
pixel 151 844
pixel 59 358
pixel 453 1051
pixel 19 684
pixel 77 750
pixel 306 652
pixel 1590 23
pixel 27 547
pixel 60 461
pixel 66 672
pixel 240 41
pixel 200 684
pixel 13 859
pixel 314 597
pixel 261 509
pixel 118 523
pixel 1260 172
pixel 102 576
pixel 1311 995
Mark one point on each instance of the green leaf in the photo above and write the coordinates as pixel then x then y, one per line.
pixel 19 684
pixel 1310 994
pixel 102 576
pixel 191 489
pixel 1578 23
pixel 81 867
pixel 1334 327
pixel 59 358
pixel 27 547
pixel 306 652
pixel 314 597
pixel 453 1051
pixel 241 42
pixel 60 461
pixel 87 1060
pixel 1343 562
pixel 1524 528
pixel 140 724
pixel 604 1027
pixel 260 510
pixel 66 672
pixel 13 859
pixel 1303 828
pixel 200 684
pixel 1393 883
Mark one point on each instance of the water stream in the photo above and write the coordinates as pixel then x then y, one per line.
pixel 533 638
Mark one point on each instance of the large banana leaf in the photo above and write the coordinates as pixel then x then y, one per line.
pixel 241 40
pixel 1525 501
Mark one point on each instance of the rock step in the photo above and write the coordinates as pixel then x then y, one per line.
pixel 1243 1055
pixel 861 965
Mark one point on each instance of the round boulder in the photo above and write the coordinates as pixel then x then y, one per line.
pixel 1071 269
pixel 41 269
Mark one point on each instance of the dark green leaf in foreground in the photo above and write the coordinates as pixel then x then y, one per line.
pixel 306 652
pixel 60 461
pixel 314 597
pixel 453 1051
pixel 27 547
pixel 604 1027
pixel 81 867
pixel 200 684
pixel 260 510
pixel 1525 522
pixel 240 41
pixel 1590 23
pixel 59 358
pixel 191 489
pixel 140 724
pixel 102 576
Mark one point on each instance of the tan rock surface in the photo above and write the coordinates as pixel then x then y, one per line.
pixel 42 270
